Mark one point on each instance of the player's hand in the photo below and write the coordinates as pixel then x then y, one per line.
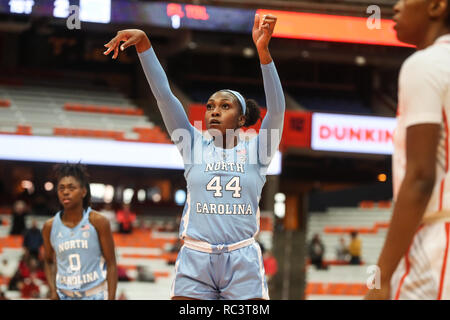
pixel 379 294
pixel 131 37
pixel 263 30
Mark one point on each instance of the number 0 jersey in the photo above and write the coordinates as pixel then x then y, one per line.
pixel 80 263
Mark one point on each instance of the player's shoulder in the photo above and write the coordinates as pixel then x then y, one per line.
pixel 418 60
pixel 423 66
pixel 48 224
pixel 426 60
pixel 97 219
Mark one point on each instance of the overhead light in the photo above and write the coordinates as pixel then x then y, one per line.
pixel 109 194
pixel 360 61
pixel 141 195
pixel 128 195
pixel 27 185
pixel 305 54
pixel 48 186
pixel 248 52
pixel 176 22
pixel 192 45
pixel 280 206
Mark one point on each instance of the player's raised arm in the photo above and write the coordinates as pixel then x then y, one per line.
pixel 262 33
pixel 170 107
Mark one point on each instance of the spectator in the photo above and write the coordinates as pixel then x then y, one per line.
pixel 18 218
pixel 316 250
pixel 22 272
pixel 33 241
pixel 29 288
pixel 270 265
pixel 2 295
pixel 355 249
pixel 126 218
pixel 15 281
pixel 341 250
pixel 109 213
pixel 37 270
pixel 29 269
pixel 122 274
pixel 145 274
pixel 7 270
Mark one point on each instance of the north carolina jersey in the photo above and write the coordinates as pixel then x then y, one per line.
pixel 223 192
pixel 80 263
pixel 223 185
pixel 424 97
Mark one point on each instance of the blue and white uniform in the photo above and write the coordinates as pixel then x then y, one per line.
pixel 220 258
pixel 81 268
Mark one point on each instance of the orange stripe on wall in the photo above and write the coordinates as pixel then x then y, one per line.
pixel 322 27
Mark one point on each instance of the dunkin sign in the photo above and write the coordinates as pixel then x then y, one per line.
pixel 349 133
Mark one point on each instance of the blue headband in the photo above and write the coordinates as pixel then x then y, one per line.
pixel 240 98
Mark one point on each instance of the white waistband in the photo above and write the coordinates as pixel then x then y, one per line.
pixel 440 216
pixel 204 246
pixel 87 293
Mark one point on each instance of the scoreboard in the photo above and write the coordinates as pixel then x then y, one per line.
pixel 293 25
pixel 161 14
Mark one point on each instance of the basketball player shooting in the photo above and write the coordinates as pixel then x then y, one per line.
pixel 220 258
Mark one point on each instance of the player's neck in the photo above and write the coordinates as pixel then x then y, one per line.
pixel 227 142
pixel 74 214
pixel 432 35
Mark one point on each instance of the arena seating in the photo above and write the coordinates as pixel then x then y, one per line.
pixel 95 113
pixel 141 248
pixel 346 281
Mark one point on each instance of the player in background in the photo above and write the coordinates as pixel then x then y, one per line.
pixel 414 260
pixel 220 258
pixel 81 241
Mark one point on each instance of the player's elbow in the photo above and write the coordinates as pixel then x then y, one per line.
pixel 422 180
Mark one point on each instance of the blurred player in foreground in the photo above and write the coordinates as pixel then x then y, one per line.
pixel 81 240
pixel 414 260
pixel 220 258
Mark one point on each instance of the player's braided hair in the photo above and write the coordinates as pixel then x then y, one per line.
pixel 79 172
pixel 253 113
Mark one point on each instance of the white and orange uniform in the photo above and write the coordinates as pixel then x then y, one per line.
pixel 424 97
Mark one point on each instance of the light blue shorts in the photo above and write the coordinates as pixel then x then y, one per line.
pixel 234 275
pixel 102 295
